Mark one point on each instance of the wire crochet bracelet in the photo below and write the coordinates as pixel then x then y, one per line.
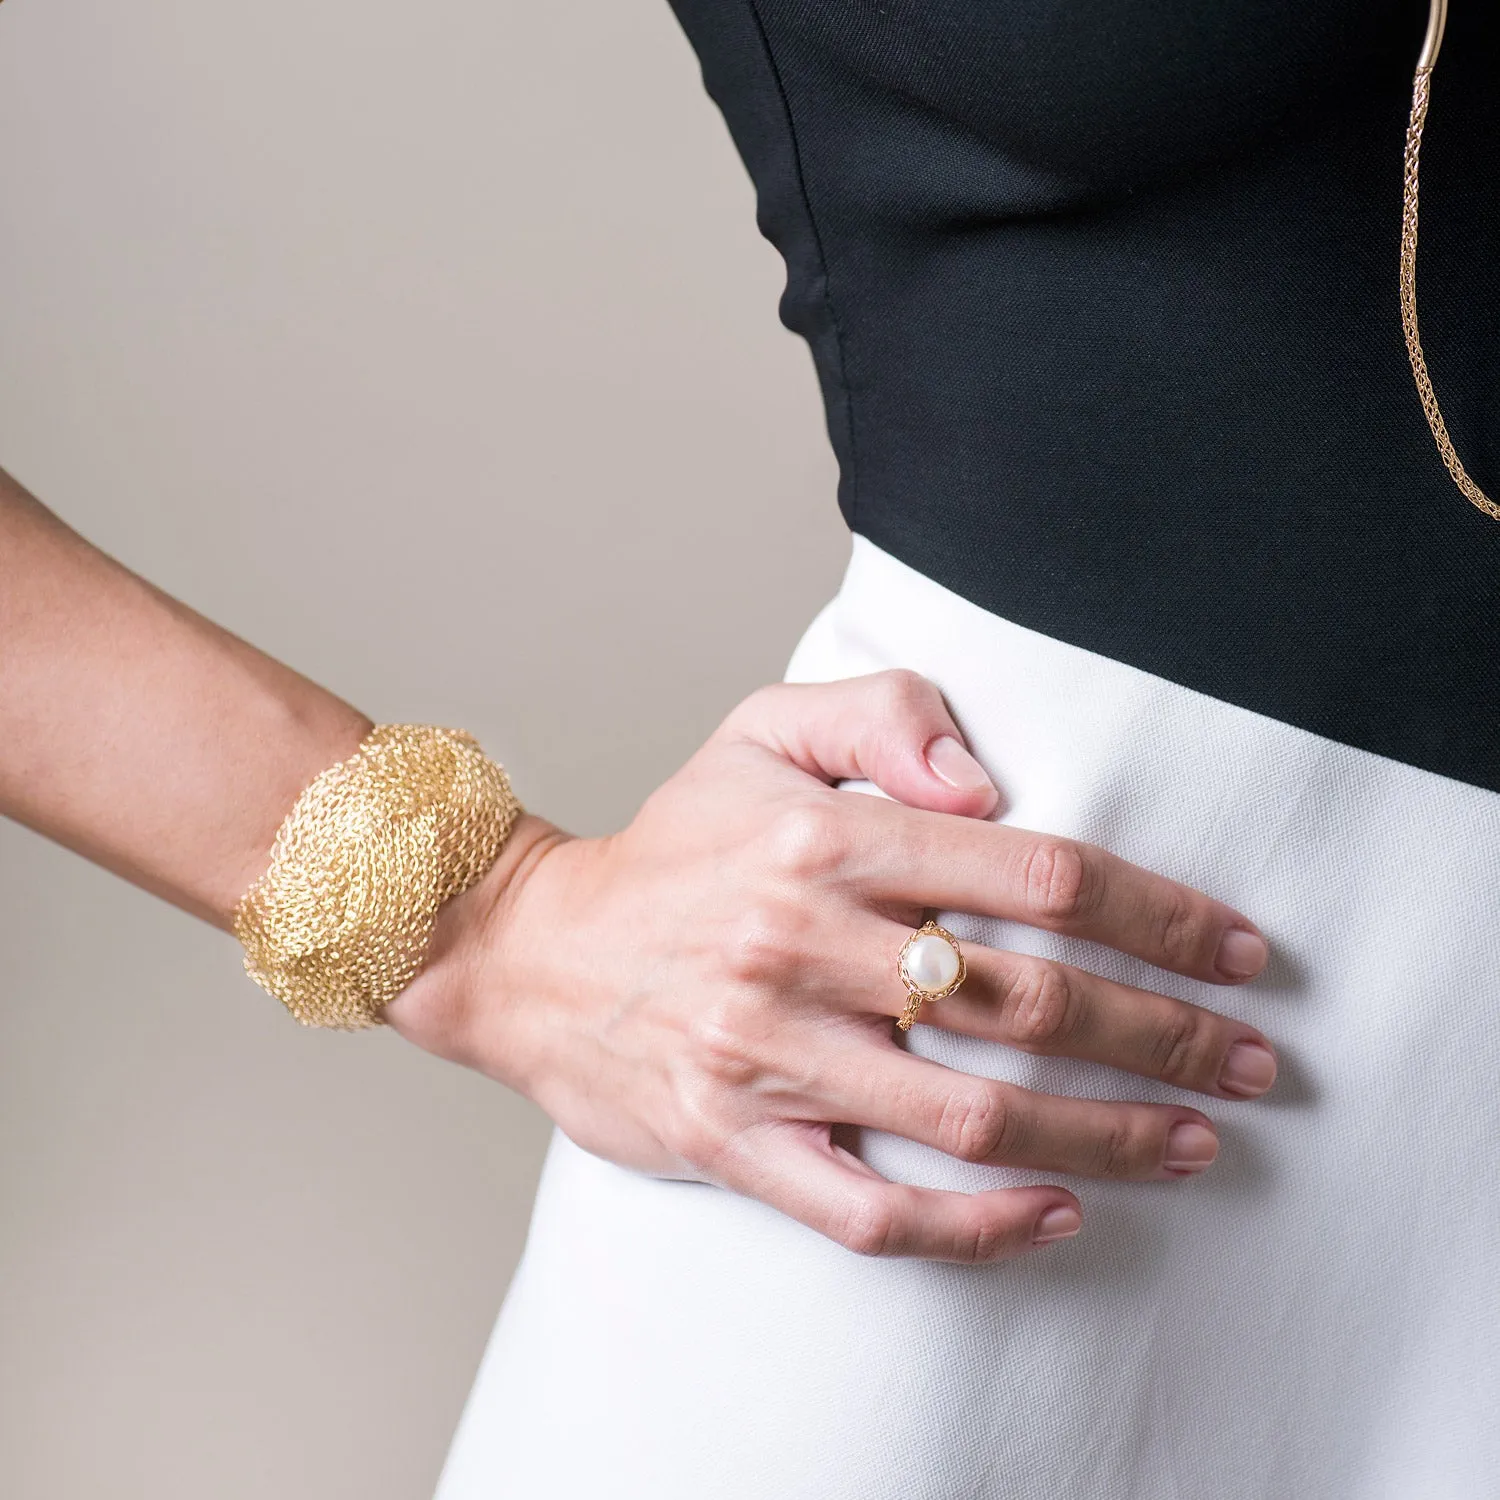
pixel 339 924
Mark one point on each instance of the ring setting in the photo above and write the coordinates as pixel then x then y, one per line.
pixel 930 965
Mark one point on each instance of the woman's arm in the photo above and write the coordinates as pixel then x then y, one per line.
pixel 140 734
pixel 706 993
pixel 143 736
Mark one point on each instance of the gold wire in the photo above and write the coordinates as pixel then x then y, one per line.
pixel 1421 91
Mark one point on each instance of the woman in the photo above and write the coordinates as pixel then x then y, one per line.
pixel 1165 634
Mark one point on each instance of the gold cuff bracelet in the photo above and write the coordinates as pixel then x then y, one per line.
pixel 340 922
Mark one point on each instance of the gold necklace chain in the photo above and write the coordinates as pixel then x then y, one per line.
pixel 1421 88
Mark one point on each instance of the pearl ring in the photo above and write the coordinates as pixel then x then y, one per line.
pixel 930 965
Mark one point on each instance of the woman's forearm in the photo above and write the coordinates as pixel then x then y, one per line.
pixel 140 734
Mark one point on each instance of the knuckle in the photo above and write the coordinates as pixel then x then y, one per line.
pixel 1117 1151
pixel 721 1050
pixel 760 946
pixel 987 1241
pixel 1180 1046
pixel 1179 929
pixel 693 1131
pixel 902 690
pixel 1042 1005
pixel 867 1226
pixel 808 839
pixel 1059 884
pixel 976 1126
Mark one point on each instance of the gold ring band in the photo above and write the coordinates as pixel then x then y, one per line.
pixel 930 965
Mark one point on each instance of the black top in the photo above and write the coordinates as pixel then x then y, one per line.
pixel 1103 299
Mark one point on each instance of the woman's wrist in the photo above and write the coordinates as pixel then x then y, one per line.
pixel 438 1010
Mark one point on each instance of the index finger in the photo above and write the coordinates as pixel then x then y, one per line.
pixel 1058 884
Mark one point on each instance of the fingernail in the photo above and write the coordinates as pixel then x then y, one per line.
pixel 1249 1069
pixel 1242 954
pixel 1190 1147
pixel 956 766
pixel 1057 1224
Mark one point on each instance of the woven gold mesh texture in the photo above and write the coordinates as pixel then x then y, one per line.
pixel 339 923
pixel 1421 96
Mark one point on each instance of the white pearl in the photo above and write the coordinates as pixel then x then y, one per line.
pixel 930 962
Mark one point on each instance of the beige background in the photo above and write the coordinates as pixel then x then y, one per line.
pixel 432 348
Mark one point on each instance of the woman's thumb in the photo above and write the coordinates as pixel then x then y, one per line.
pixel 891 728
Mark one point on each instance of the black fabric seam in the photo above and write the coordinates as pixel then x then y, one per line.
pixel 818 242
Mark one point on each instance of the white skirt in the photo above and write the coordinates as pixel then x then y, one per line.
pixel 1316 1317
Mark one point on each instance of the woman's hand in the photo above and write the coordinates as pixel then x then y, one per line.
pixel 706 993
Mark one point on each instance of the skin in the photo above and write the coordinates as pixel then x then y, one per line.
pixel 705 994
